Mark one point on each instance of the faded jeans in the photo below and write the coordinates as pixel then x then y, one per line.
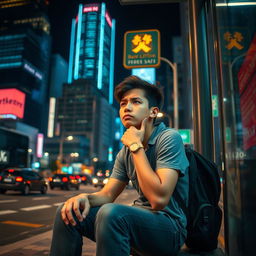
pixel 118 230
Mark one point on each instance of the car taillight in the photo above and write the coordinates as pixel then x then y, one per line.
pixel 65 179
pixel 50 179
pixel 1 177
pixel 72 177
pixel 78 177
pixel 11 170
pixel 83 178
pixel 19 179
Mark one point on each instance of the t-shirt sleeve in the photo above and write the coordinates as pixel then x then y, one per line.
pixel 170 152
pixel 119 169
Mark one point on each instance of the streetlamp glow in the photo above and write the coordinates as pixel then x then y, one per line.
pixel 95 159
pixel 69 138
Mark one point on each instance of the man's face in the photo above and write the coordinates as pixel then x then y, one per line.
pixel 134 108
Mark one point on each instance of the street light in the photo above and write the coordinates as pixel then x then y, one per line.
pixel 175 91
pixel 62 139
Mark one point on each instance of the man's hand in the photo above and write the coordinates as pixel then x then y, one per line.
pixel 133 134
pixel 76 204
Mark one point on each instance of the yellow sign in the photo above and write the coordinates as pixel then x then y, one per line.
pixel 141 49
pixel 234 41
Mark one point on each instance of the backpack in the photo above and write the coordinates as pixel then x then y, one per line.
pixel 203 213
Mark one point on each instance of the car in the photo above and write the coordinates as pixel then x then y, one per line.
pixel 65 181
pixel 22 179
pixel 100 179
pixel 85 178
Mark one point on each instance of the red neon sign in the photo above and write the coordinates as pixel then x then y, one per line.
pixel 91 9
pixel 108 19
pixel 12 102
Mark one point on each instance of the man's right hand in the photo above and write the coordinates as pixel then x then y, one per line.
pixel 75 204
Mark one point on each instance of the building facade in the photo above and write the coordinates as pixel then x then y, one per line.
pixel 92 48
pixel 25 56
pixel 25 46
pixel 82 112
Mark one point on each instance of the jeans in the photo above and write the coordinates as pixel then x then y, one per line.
pixel 118 229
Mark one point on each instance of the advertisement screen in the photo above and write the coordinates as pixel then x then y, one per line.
pixel 12 102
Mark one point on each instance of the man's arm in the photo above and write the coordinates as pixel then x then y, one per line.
pixel 156 186
pixel 83 202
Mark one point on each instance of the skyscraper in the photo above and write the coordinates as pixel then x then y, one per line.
pixel 25 55
pixel 25 46
pixel 92 48
pixel 86 108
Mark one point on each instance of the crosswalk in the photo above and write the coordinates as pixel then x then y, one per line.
pixel 27 209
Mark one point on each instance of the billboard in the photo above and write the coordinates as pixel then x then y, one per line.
pixel 141 49
pixel 12 102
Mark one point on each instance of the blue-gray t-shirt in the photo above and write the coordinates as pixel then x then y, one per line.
pixel 165 150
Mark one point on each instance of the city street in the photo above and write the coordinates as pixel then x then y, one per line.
pixel 22 216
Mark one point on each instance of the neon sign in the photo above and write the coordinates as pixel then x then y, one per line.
pixel 40 142
pixel 108 19
pixel 91 9
pixel 33 71
pixel 12 102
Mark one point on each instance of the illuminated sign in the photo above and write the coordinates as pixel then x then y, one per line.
pixel 4 156
pixel 185 135
pixel 141 49
pixel 40 142
pixel 148 74
pixel 51 117
pixel 12 102
pixel 90 9
pixel 33 71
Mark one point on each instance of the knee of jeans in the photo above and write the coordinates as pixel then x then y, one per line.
pixel 108 212
pixel 58 213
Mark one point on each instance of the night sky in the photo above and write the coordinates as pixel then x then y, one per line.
pixel 164 17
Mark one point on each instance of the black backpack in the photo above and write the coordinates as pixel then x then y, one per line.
pixel 203 213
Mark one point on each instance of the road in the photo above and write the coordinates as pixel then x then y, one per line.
pixel 24 216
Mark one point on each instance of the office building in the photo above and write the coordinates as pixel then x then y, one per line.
pixel 92 48
pixel 25 55
pixel 83 112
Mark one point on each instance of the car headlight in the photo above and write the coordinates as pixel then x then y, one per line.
pixel 105 181
pixel 95 181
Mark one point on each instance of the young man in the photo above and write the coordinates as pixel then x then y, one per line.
pixel 153 158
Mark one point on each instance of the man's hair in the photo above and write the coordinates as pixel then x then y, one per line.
pixel 153 93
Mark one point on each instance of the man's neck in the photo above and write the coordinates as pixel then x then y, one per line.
pixel 148 131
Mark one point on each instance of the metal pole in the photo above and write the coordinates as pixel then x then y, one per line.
pixel 60 157
pixel 175 91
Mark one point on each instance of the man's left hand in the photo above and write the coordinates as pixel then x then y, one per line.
pixel 133 134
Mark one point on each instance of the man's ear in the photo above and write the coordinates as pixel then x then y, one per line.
pixel 153 112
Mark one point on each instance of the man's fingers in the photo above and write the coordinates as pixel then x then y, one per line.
pixel 63 214
pixel 76 209
pixel 68 213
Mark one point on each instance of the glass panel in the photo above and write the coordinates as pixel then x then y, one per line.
pixel 237 38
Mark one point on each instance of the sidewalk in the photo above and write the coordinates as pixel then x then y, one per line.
pixel 39 245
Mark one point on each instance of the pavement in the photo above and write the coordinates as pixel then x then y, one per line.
pixel 39 245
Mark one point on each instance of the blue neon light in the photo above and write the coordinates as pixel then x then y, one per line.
pixel 9 65
pixel 78 38
pixel 71 51
pixel 101 44
pixel 112 56
pixel 110 154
